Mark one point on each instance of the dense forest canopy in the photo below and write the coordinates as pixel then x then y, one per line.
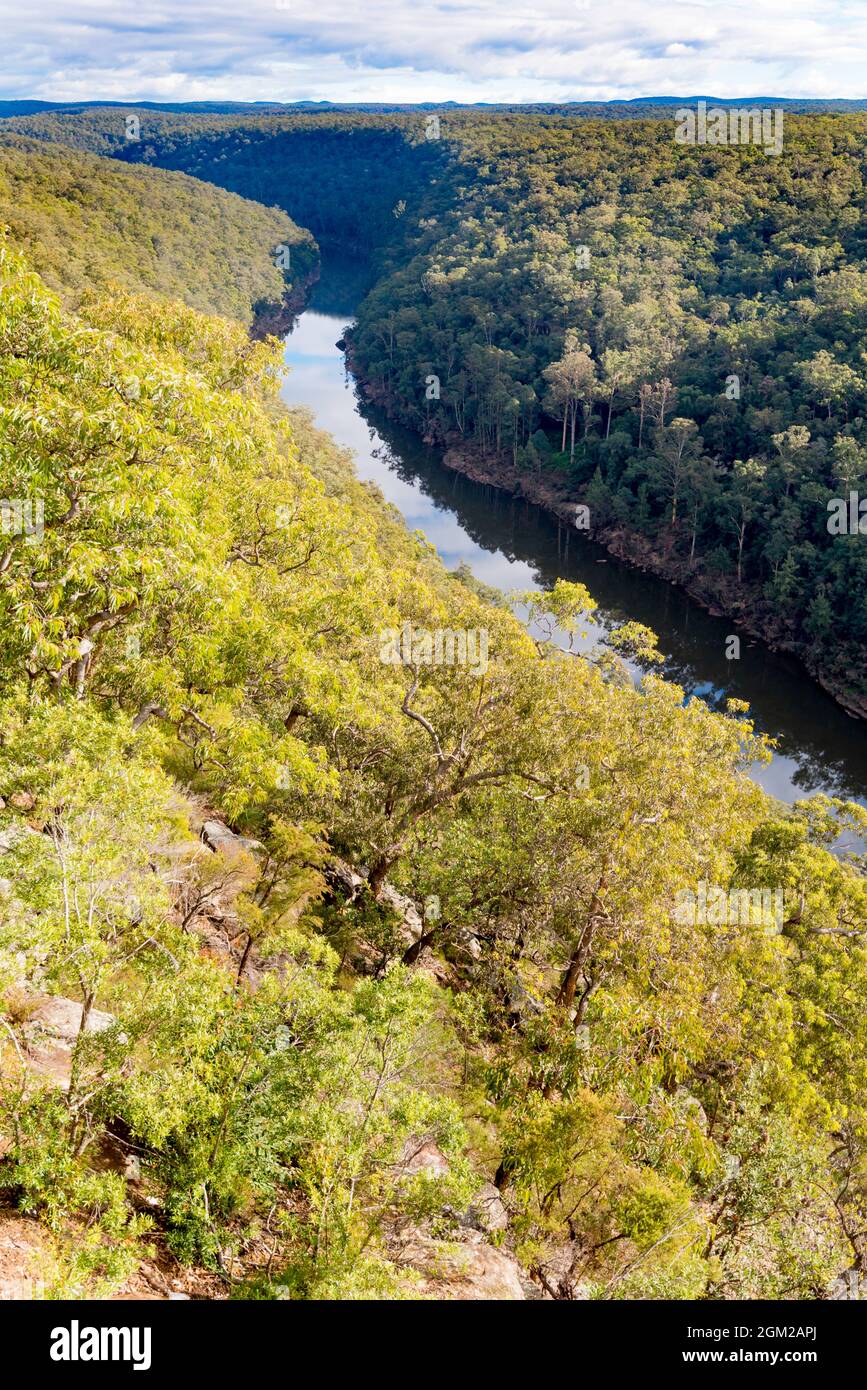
pixel 672 334
pixel 514 915
pixel 343 174
pixel 85 223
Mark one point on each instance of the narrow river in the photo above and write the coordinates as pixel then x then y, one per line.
pixel 514 545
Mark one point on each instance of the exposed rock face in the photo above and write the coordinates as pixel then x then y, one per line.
pixel 465 1270
pixel 486 1211
pixel 425 1157
pixel 411 925
pixel 468 943
pixel 521 1002
pixel 693 1107
pixel 556 1270
pixel 339 872
pixel 49 1035
pixel 61 1018
pixel 347 885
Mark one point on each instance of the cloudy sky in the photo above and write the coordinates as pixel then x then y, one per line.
pixel 461 50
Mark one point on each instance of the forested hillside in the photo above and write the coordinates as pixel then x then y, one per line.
pixel 85 223
pixel 692 319
pixel 353 942
pixel 588 311
pixel 341 174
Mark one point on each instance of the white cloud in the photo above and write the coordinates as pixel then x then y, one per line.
pixel 463 50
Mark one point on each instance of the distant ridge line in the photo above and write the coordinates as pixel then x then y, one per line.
pixel 27 106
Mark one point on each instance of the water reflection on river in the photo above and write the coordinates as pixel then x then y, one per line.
pixel 514 545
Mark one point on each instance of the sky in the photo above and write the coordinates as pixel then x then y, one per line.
pixel 430 50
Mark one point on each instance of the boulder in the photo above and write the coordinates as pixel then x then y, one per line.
pixel 61 1018
pixel 461 943
pixel 49 1033
pixel 423 1156
pixel 342 875
pixel 521 1002
pixel 486 1211
pixel 468 1270
pixel 222 840
pixel 693 1106
pixel 411 925
pixel 849 1286
pixel 13 833
pixel 339 872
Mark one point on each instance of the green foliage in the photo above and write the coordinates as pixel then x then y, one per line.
pixel 96 1240
pixel 86 224
pixel 673 1105
pixel 704 265
pixel 587 284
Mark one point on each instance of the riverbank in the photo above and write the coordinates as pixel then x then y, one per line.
pixel 276 320
pixel 721 597
pixel 514 545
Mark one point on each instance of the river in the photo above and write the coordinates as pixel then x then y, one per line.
pixel 512 544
